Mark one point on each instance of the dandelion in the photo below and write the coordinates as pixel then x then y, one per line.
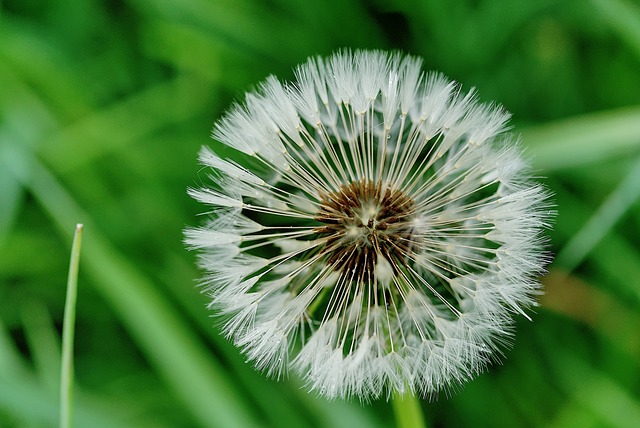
pixel 376 232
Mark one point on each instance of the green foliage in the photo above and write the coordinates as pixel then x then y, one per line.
pixel 103 107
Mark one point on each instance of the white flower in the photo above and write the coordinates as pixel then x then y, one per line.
pixel 377 233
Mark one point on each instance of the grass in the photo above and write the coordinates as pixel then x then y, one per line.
pixel 68 332
pixel 103 107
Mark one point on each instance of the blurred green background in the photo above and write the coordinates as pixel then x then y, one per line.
pixel 104 105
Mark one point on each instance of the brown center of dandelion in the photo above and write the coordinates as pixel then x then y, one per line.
pixel 364 221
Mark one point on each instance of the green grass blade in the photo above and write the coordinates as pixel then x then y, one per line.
pixel 112 128
pixel 11 194
pixel 594 390
pixel 43 342
pixel 618 202
pixel 584 139
pixel 604 260
pixel 68 330
pixel 624 18
pixel 10 361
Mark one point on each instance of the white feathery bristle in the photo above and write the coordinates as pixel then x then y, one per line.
pixel 411 77
pixel 204 238
pixel 212 197
pixel 341 77
pixel 229 168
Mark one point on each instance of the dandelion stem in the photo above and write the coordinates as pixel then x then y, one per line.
pixel 407 410
pixel 66 369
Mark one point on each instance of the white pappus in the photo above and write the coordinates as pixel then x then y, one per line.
pixel 376 230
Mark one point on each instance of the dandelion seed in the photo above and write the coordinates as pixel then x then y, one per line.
pixel 381 234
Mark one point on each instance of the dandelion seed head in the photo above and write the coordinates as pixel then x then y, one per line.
pixel 376 232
